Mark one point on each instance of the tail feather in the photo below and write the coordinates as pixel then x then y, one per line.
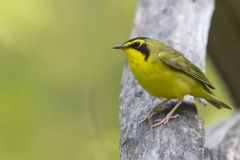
pixel 217 103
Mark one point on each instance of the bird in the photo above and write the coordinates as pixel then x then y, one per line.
pixel 166 74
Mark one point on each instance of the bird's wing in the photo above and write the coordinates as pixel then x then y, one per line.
pixel 176 60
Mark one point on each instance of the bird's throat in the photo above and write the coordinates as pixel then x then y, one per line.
pixel 134 55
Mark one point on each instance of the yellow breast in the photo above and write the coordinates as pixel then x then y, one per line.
pixel 159 79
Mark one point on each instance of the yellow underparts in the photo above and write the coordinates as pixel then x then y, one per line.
pixel 162 81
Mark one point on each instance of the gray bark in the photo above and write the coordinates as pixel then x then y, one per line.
pixel 184 25
pixel 223 140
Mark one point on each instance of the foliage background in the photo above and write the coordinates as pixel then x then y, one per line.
pixel 60 79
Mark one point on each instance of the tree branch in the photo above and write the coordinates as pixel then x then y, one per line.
pixel 184 25
pixel 223 140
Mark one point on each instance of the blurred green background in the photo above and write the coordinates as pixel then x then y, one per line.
pixel 60 80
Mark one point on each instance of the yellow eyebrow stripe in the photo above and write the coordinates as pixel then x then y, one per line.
pixel 141 41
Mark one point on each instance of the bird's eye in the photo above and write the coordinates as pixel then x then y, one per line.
pixel 135 45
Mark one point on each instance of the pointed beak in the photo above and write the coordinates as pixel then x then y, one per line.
pixel 118 47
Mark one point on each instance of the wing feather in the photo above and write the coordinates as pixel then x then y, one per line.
pixel 176 60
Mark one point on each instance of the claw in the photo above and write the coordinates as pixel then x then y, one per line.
pixel 152 112
pixel 165 120
pixel 147 117
pixel 143 119
pixel 169 116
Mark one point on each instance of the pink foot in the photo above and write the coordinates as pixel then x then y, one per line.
pixel 165 120
pixel 147 117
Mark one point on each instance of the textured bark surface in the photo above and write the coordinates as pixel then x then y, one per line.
pixel 223 141
pixel 184 25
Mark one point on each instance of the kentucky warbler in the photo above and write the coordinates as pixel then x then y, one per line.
pixel 165 73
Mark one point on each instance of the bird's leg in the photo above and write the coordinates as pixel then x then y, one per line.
pixel 152 112
pixel 168 116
